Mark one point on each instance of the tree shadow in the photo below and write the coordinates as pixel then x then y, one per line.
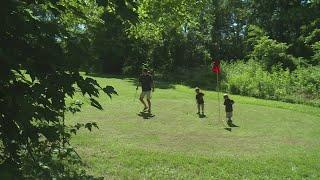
pixel 168 81
pixel 116 76
pixel 158 82
pixel 163 84
pixel 146 115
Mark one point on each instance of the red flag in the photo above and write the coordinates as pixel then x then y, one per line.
pixel 216 67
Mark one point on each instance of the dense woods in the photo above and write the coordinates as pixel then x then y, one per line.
pixel 269 49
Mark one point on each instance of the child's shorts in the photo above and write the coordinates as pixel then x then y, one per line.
pixel 145 93
pixel 229 114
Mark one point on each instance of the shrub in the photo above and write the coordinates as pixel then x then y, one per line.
pixel 250 79
pixel 306 82
pixel 270 53
pixel 316 56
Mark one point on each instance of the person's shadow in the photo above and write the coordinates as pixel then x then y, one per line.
pixel 146 115
pixel 230 124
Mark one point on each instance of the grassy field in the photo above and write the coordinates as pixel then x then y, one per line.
pixel 274 141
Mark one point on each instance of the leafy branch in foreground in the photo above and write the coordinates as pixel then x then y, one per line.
pixel 44 46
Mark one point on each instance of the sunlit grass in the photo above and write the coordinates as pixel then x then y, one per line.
pixel 274 140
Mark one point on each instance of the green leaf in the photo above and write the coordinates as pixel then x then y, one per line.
pixel 109 90
pixel 96 104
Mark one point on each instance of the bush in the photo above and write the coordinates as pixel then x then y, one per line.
pixel 306 82
pixel 270 53
pixel 316 56
pixel 250 79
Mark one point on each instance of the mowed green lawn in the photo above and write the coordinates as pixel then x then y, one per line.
pixel 274 141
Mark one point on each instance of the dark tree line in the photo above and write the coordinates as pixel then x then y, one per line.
pixel 172 34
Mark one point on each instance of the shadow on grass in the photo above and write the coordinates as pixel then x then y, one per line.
pixel 203 79
pixel 146 115
pixel 230 124
pixel 163 84
pixel 116 76
pixel 160 82
pixel 201 116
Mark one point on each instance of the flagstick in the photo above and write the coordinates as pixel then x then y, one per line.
pixel 218 89
pixel 216 69
pixel 218 95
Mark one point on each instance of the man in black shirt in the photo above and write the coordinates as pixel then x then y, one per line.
pixel 146 82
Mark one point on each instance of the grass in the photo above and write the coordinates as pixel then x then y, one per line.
pixel 275 140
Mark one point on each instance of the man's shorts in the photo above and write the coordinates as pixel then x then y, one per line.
pixel 229 114
pixel 200 102
pixel 145 93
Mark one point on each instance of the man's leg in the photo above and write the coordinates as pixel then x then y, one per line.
pixel 229 121
pixel 142 101
pixel 202 108
pixel 230 116
pixel 198 105
pixel 149 104
pixel 149 101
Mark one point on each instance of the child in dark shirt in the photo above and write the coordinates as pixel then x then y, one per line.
pixel 200 101
pixel 229 109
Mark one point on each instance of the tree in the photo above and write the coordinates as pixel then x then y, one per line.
pixel 112 43
pixel 282 20
pixel 309 41
pixel 272 53
pixel 46 45
pixel 170 32
pixel 229 29
pixel 316 56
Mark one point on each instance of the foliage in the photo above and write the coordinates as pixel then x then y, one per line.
pixel 251 79
pixel 316 56
pixel 186 34
pixel 272 53
pixel 255 33
pixel 45 45
pixel 283 20
pixel 168 33
pixel 306 83
pixel 228 29
pixel 308 39
pixel 111 42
